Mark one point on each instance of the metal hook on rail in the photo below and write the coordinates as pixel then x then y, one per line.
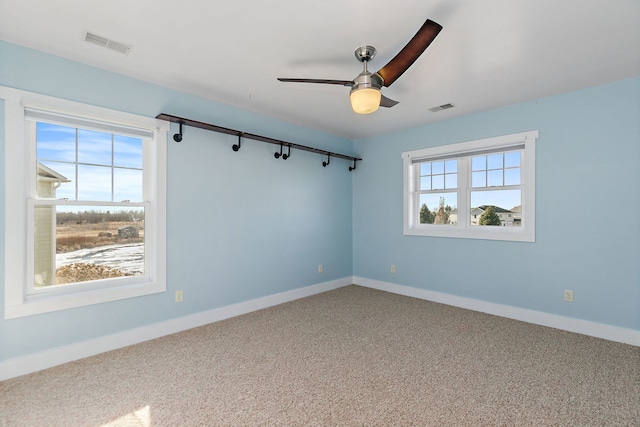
pixel 325 164
pixel 237 146
pixel 352 168
pixel 286 156
pixel 178 136
pixel 277 155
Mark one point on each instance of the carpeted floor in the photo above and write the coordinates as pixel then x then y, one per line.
pixel 349 357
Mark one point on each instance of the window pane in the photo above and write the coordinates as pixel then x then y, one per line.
pixel 479 163
pixel 451 180
pixel 494 161
pixel 94 183
pixel 425 169
pixel 127 185
pixel 439 208
pixel 512 159
pixel 479 179
pixel 127 152
pixel 425 183
pixel 437 167
pixel 494 178
pixel 451 166
pixel 506 205
pixel 512 176
pixel 87 243
pixel 94 147
pixel 438 182
pixel 54 142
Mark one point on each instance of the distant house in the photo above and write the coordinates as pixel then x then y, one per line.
pixel 45 222
pixel 517 215
pixel 48 181
pixel 506 216
pixel 128 231
pixel 453 216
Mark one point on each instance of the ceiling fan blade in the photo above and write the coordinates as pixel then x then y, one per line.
pixel 387 102
pixel 322 81
pixel 408 55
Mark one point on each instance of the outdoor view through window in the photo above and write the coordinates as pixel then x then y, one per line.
pixel 89 213
pixel 495 192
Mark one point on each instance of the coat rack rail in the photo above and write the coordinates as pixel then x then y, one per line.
pixel 240 134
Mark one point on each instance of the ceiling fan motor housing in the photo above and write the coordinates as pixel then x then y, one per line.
pixel 367 80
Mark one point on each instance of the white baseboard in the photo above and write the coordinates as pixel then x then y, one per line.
pixel 585 327
pixel 46 359
pixel 22 365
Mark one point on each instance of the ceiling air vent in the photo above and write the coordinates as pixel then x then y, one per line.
pixel 441 107
pixel 106 43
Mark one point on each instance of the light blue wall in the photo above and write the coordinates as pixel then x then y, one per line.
pixel 244 225
pixel 587 205
pixel 240 225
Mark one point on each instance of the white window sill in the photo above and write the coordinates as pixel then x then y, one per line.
pixel 44 303
pixel 516 234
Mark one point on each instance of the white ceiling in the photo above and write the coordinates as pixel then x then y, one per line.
pixel 490 53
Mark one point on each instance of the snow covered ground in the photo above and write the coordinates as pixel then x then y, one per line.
pixel 126 258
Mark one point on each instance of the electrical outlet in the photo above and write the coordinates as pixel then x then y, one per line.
pixel 179 296
pixel 393 268
pixel 568 296
pixel 319 268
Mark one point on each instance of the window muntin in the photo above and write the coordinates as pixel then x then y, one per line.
pixel 133 181
pixel 99 166
pixel 494 185
pixel 496 170
pixel 438 175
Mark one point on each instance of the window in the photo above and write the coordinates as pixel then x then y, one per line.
pixel 482 189
pixel 86 186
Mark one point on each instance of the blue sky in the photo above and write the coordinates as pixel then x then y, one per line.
pixel 108 168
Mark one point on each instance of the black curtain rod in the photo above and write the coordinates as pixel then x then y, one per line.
pixel 193 123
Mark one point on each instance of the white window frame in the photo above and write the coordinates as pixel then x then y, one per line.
pixel 19 177
pixel 463 151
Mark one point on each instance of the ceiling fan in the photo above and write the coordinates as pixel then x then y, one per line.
pixel 365 93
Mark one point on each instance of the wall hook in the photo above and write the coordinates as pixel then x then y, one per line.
pixel 277 155
pixel 178 136
pixel 286 156
pixel 237 146
pixel 325 164
pixel 352 168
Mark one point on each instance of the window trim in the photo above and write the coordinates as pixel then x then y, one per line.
pixel 18 158
pixel 464 150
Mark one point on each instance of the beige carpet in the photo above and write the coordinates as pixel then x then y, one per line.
pixel 349 357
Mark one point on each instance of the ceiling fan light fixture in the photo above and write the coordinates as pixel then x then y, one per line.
pixel 365 100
